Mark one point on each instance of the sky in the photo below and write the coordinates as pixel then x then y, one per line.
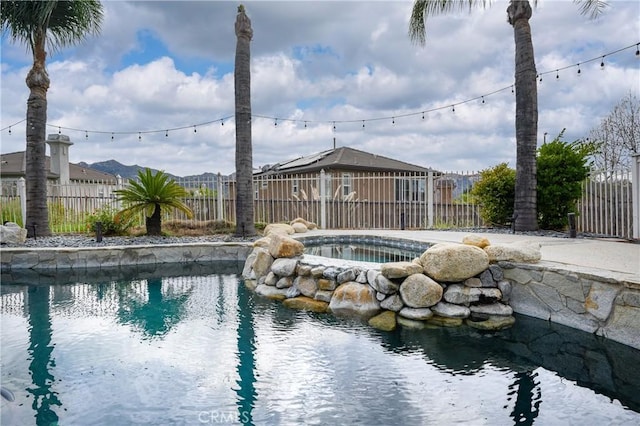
pixel 323 74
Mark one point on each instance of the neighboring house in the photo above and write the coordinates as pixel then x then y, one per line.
pixel 60 173
pixel 349 175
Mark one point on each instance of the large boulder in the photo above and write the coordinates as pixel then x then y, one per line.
pixel 306 304
pixel 299 228
pixel 459 294
pixel 385 321
pixel 11 233
pixel 519 252
pixel 353 298
pixel 279 229
pixel 476 240
pixel 393 270
pixel 420 291
pixel 262 263
pixel 450 262
pixel 284 246
pixel 308 286
pixel 284 267
pixel 306 223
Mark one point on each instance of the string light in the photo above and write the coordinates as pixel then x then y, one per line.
pixel 111 136
pixel 166 133
pixel 306 122
pixel 334 126
pixel 393 120
pixel 139 136
pixel 453 108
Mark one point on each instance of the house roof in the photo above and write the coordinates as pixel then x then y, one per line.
pixel 343 158
pixel 12 165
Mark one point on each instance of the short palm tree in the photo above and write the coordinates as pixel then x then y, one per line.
pixel 526 122
pixel 149 195
pixel 36 24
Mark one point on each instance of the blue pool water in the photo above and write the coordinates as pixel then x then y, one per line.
pixel 363 252
pixel 191 345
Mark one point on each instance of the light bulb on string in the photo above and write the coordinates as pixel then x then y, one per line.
pixel 86 134
pixel 423 115
pixel 275 122
pixel 602 63
pixel 393 120
pixel 363 124
pixel 194 129
pixel 112 136
pixel 453 108
pixel 166 133
pixel 139 137
pixel 222 122
pixel 638 49
pixel 483 100
pixel 540 78
pixel 9 130
pixel 59 130
pixel 578 69
pixel 512 91
pixel 305 124
pixel 334 126
pixel 557 75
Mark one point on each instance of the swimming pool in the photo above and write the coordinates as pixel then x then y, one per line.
pixel 189 344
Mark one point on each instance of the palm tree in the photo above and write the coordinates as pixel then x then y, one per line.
pixel 149 195
pixel 519 13
pixel 244 157
pixel 36 23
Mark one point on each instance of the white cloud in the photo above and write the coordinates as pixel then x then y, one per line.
pixel 321 62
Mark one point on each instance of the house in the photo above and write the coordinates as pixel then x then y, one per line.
pixel 349 174
pixel 71 189
pixel 346 188
pixel 60 172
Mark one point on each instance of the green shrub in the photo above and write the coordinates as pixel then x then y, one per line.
pixel 112 224
pixel 561 169
pixel 495 192
pixel 10 211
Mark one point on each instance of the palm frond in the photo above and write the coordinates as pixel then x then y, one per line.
pixel 422 9
pixel 592 8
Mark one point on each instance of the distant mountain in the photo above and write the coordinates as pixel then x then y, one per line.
pixel 131 172
pixel 115 168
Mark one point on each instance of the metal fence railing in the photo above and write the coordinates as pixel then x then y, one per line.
pixel 335 201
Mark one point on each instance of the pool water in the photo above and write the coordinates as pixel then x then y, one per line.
pixel 363 252
pixel 191 345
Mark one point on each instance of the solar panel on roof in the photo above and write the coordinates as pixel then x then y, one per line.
pixel 304 161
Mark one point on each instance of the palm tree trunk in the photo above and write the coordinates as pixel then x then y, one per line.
pixel 37 220
pixel 519 12
pixel 154 223
pixel 244 156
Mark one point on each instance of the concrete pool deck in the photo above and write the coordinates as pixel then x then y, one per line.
pixel 614 256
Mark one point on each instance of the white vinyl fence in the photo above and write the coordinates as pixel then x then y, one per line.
pixel 351 201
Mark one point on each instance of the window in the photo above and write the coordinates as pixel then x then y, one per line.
pixel 410 189
pixel 295 186
pixel 346 184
